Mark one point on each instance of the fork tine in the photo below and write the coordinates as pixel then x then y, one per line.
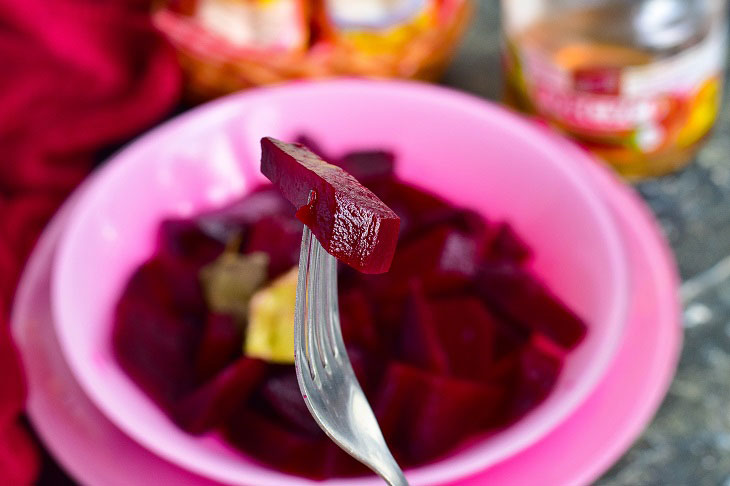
pixel 317 312
pixel 331 301
pixel 300 353
pixel 302 323
pixel 308 312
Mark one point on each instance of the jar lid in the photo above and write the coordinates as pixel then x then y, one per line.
pixel 664 24
pixel 373 14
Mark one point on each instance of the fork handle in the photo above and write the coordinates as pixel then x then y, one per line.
pixel 396 481
pixel 392 474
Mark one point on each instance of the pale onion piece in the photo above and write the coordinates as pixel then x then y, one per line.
pixel 230 281
pixel 270 332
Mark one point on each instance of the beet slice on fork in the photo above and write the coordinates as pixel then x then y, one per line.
pixel 350 222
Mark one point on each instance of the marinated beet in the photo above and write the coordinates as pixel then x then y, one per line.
pixel 443 258
pixel 275 443
pixel 215 402
pixel 368 166
pixel 349 221
pixel 423 415
pixel 507 245
pixel 458 220
pixel 420 344
pixel 356 319
pixel 457 340
pixel 410 203
pixel 538 370
pixel 220 343
pixel 234 219
pixel 282 399
pixel 467 334
pixel 154 346
pixel 279 237
pixel 449 410
pixel 171 283
pixel 516 294
pixel 183 241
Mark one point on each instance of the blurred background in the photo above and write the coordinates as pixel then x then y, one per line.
pixel 670 139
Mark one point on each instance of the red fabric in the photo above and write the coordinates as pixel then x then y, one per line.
pixel 75 76
pixel 18 459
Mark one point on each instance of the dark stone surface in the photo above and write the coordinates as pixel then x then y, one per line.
pixel 688 443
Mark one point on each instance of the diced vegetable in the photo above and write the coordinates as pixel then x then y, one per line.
pixel 270 333
pixel 218 400
pixel 516 294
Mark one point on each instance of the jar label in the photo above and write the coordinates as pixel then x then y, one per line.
pixel 646 106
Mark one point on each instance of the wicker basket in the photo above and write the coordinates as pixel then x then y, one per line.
pixel 213 67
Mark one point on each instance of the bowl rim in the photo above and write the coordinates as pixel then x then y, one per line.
pixel 522 434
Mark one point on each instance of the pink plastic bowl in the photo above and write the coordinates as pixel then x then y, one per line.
pixel 470 151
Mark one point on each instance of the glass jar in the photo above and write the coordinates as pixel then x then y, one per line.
pixel 637 82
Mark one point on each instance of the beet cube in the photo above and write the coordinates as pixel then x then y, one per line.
pixel 356 320
pixel 349 221
pixel 451 412
pixel 420 343
pixel 465 221
pixel 338 463
pixel 278 445
pixel 368 367
pixel 509 336
pixel 215 402
pixel 279 236
pixel 312 145
pixel 393 404
pixel 507 245
pixel 425 415
pixel 155 346
pixel 467 333
pixel 505 369
pixel 443 258
pixel 222 340
pixel 409 203
pixel 368 166
pixel 540 367
pixel 183 240
pixel 282 396
pixel 364 165
pixel 518 295
pixel 168 283
pixel 234 220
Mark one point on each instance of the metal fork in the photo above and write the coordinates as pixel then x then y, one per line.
pixel 326 379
